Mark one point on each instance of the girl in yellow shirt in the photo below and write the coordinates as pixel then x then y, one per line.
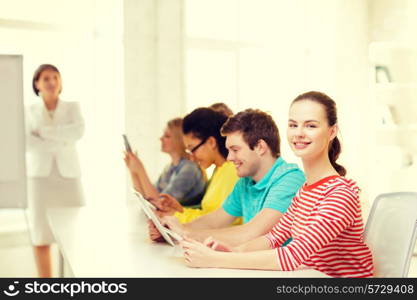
pixel 206 146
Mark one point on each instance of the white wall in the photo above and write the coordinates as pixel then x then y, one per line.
pixel 263 53
pixel 393 20
pixel 392 32
pixel 79 38
pixel 254 54
pixel 154 75
pixel 351 89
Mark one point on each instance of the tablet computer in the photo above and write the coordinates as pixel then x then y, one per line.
pixel 127 144
pixel 141 199
pixel 149 210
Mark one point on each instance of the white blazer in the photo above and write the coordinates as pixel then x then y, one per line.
pixel 53 139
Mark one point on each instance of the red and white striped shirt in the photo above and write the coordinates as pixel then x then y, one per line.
pixel 325 223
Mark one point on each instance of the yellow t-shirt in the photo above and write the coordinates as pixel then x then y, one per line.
pixel 221 185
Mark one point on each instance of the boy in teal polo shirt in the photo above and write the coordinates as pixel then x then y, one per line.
pixel 275 191
pixel 262 194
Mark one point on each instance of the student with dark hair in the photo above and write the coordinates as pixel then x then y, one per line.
pixel 205 124
pixel 264 191
pixel 203 141
pixel 182 178
pixel 324 219
pixel 53 128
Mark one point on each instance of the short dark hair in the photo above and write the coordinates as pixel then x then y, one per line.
pixel 38 73
pixel 254 125
pixel 203 123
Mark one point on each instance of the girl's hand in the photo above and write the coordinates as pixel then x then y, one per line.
pixel 133 163
pixel 35 133
pixel 173 224
pixel 154 234
pixel 216 245
pixel 167 205
pixel 198 255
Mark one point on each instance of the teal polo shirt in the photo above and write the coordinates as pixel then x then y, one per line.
pixel 275 190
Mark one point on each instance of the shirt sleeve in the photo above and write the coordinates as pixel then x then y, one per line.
pixel 232 205
pixel 334 215
pixel 281 193
pixel 183 182
pixel 36 143
pixel 281 232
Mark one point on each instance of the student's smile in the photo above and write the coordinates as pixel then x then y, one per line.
pixel 237 164
pixel 300 145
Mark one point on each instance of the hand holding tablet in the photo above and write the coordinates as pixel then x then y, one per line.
pixel 149 211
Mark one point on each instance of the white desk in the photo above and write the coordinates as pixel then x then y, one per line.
pixel 113 242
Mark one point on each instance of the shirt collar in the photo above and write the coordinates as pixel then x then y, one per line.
pixel 265 180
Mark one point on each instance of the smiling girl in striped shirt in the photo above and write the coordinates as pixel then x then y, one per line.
pixel 324 219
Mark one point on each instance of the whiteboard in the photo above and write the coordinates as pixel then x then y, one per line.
pixel 12 133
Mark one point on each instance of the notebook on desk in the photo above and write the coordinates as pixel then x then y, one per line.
pixel 149 210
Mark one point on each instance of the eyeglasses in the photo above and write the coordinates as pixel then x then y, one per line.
pixel 191 151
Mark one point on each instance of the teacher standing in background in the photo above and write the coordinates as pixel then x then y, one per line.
pixel 53 128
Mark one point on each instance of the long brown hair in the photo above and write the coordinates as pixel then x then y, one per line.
pixel 331 114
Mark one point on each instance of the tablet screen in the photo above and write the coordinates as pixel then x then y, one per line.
pixel 149 211
pixel 127 144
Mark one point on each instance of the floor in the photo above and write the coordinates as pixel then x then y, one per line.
pixel 16 254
